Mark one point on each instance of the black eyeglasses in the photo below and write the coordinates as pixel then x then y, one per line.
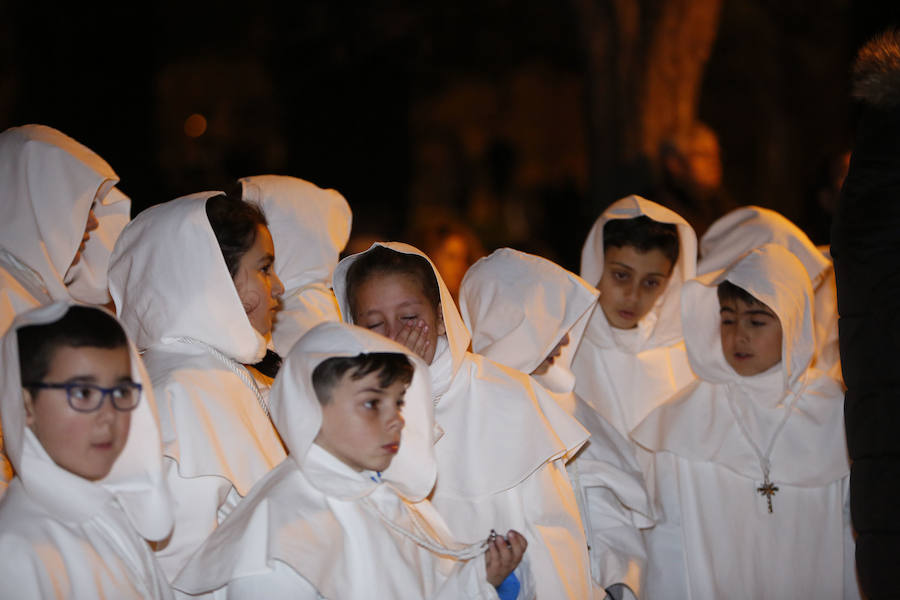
pixel 87 397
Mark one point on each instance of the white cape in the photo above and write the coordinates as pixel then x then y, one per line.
pixel 748 227
pixel 624 374
pixel 62 536
pixel 309 226
pixel 48 182
pixel 501 453
pixel 314 527
pixel 716 537
pixel 177 300
pixel 518 307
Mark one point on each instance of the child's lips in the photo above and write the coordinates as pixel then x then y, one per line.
pixel 626 314
pixel 103 445
pixel 392 447
pixel 742 355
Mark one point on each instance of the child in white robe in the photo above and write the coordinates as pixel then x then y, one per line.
pixel 199 315
pixel 529 313
pixel 748 227
pixel 345 515
pixel 503 440
pixel 310 226
pixel 632 356
pixel 59 217
pixel 81 431
pixel 750 469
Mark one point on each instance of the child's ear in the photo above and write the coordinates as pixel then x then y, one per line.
pixel 28 399
pixel 441 328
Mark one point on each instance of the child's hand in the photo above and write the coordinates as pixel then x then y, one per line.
pixel 414 336
pixel 503 555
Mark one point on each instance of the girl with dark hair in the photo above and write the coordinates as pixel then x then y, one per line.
pixel 194 285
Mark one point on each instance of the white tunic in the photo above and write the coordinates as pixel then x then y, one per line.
pixel 624 374
pixel 176 298
pixel 518 307
pixel 748 227
pixel 716 537
pixel 48 182
pixel 501 453
pixel 315 528
pixel 62 536
pixel 310 226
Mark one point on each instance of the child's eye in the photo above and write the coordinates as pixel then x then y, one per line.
pixel 620 275
pixel 758 323
pixel 401 402
pixel 371 404
pixel 651 283
pixel 409 318
pixel 727 322
pixel 373 326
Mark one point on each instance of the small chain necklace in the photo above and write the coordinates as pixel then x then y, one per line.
pixel 767 489
pixel 235 367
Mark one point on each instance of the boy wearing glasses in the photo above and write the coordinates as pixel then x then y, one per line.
pixel 81 433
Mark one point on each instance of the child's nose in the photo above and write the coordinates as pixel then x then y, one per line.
pixel 277 286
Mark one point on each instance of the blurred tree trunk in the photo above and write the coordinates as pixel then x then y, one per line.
pixel 644 63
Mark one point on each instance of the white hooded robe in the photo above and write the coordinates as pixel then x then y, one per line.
pixel 177 300
pixel 715 537
pixel 501 452
pixel 63 536
pixel 626 373
pixel 314 527
pixel 518 308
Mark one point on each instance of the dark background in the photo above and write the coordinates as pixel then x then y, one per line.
pixel 407 107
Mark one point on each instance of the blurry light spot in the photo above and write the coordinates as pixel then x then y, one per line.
pixel 195 125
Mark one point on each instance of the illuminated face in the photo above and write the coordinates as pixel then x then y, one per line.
pixel 362 422
pixel 554 354
pixel 257 285
pixel 751 336
pixel 632 281
pixel 86 444
pixel 394 305
pixel 92 225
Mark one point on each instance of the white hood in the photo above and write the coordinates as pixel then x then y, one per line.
pixel 662 325
pixel 169 280
pixel 704 422
pixel 771 274
pixel 519 306
pixel 457 334
pixel 136 480
pixel 748 227
pixel 309 226
pixel 297 413
pixel 49 183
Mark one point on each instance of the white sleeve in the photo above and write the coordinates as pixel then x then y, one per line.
pixel 280 583
pixel 196 503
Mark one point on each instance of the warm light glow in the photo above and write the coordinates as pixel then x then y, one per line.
pixel 195 125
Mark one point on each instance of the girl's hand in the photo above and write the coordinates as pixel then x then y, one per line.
pixel 503 555
pixel 414 336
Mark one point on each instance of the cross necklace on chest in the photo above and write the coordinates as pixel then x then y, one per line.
pixel 767 489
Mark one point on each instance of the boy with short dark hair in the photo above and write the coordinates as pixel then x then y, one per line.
pixel 345 516
pixel 82 435
pixel 632 357
pixel 749 465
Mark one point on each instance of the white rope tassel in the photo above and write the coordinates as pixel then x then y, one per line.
pixel 234 366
